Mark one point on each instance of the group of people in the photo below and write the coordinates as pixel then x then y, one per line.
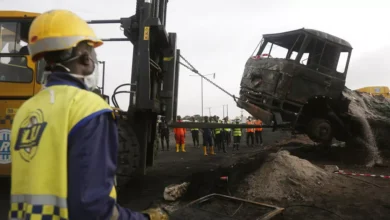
pixel 218 137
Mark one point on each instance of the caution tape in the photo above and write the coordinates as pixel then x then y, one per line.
pixel 226 178
pixel 362 174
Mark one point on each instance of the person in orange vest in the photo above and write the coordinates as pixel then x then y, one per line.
pixel 258 132
pixel 250 132
pixel 180 135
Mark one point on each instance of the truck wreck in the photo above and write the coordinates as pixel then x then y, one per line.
pixel 298 77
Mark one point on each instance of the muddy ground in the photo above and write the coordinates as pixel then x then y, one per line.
pixel 299 185
pixel 304 189
pixel 170 167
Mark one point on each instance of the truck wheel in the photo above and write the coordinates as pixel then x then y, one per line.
pixel 320 130
pixel 128 153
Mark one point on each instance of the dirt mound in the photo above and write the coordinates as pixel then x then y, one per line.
pixel 283 178
pixel 306 191
pixel 370 121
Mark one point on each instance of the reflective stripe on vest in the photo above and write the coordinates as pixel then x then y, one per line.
pixel 44 121
pixel 194 129
pixel 228 129
pixel 250 129
pixel 236 131
pixel 218 130
pixel 258 122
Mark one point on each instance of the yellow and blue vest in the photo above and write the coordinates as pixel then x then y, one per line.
pixel 236 132
pixel 39 150
pixel 228 129
pixel 218 130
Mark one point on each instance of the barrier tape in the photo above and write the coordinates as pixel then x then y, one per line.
pixel 362 174
pixel 224 178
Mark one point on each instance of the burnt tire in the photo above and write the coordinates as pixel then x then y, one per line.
pixel 128 153
pixel 320 130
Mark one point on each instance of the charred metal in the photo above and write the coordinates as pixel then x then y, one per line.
pixel 298 77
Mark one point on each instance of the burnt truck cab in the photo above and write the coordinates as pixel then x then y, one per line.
pixel 298 77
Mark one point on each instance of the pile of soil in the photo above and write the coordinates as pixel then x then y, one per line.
pixel 288 178
pixel 309 192
pixel 370 123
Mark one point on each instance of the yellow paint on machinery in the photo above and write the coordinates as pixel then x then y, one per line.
pixel 19 75
pixel 376 90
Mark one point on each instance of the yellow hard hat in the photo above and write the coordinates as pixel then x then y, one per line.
pixel 58 30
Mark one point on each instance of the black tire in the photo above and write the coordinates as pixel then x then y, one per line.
pixel 320 130
pixel 128 153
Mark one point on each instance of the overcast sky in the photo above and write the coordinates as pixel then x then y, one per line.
pixel 219 36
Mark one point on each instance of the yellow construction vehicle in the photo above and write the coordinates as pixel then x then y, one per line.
pixel 19 76
pixel 153 88
pixel 376 90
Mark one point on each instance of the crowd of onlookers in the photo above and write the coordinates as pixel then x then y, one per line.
pixel 221 138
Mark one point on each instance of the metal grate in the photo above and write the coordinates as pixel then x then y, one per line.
pixel 222 207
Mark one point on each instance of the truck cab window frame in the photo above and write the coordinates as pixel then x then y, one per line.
pixel 13 52
pixel 324 56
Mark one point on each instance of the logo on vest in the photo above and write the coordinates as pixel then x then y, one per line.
pixel 5 153
pixel 29 135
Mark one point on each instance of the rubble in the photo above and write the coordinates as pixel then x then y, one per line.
pixel 331 168
pixel 175 191
pixel 370 121
pixel 284 177
pixel 309 191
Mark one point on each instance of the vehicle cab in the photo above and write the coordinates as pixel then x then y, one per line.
pixel 19 76
pixel 291 68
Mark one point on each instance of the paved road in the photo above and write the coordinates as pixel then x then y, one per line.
pixel 170 167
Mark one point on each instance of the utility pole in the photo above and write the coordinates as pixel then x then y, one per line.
pixel 201 88
pixel 209 111
pixel 227 110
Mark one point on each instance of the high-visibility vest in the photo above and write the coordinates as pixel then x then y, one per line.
pixel 250 129
pixel 39 150
pixel 228 129
pixel 236 132
pixel 258 122
pixel 218 130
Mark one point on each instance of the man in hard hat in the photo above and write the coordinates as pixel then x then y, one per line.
pixel 64 161
pixel 180 136
pixel 250 132
pixel 207 138
pixel 195 134
pixel 237 132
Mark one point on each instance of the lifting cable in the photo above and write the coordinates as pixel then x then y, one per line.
pixel 189 66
